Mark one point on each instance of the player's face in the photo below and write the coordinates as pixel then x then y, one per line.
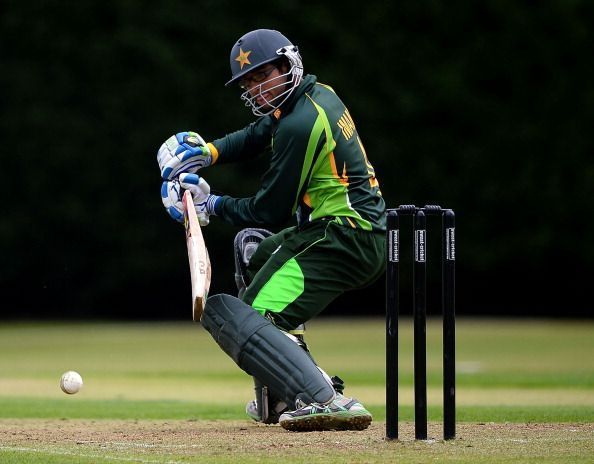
pixel 265 84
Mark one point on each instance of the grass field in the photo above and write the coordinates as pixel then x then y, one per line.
pixel 165 393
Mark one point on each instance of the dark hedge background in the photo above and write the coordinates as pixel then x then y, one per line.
pixel 484 107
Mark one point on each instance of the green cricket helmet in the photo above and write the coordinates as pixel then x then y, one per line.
pixel 257 48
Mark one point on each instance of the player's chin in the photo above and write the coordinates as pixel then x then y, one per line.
pixel 263 100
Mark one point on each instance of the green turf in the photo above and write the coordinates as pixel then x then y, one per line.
pixel 508 372
pixel 186 410
pixel 499 362
pixel 36 457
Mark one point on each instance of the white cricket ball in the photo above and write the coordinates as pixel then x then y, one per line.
pixel 71 382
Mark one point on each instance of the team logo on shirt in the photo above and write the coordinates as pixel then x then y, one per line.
pixel 242 58
pixel 346 124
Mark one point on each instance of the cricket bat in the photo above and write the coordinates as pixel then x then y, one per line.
pixel 200 271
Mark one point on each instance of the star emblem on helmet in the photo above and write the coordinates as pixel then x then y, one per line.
pixel 243 58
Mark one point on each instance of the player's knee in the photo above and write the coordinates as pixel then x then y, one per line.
pixel 245 245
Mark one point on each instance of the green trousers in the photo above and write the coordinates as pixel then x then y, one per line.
pixel 296 273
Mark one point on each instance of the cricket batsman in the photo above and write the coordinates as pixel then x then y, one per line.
pixel 318 173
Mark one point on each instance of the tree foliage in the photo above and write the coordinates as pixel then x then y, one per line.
pixel 482 107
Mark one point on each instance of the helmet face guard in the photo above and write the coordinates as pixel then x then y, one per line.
pixel 255 49
pixel 289 80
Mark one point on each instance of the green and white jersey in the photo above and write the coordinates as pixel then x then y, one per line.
pixel 318 165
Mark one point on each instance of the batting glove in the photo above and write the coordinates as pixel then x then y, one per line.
pixel 172 193
pixel 183 152
pixel 204 201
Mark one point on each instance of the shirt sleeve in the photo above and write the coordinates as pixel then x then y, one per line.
pixel 275 202
pixel 246 143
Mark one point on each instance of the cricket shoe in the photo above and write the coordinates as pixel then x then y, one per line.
pixel 341 414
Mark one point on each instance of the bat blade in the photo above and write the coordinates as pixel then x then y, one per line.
pixel 200 271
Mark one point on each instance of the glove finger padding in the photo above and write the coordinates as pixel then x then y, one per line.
pixel 183 152
pixel 203 219
pixel 195 184
pixel 171 196
pixel 188 140
pixel 200 191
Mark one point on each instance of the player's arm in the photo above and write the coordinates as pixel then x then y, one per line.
pixel 282 184
pixel 273 203
pixel 243 144
pixel 187 152
pixel 276 200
